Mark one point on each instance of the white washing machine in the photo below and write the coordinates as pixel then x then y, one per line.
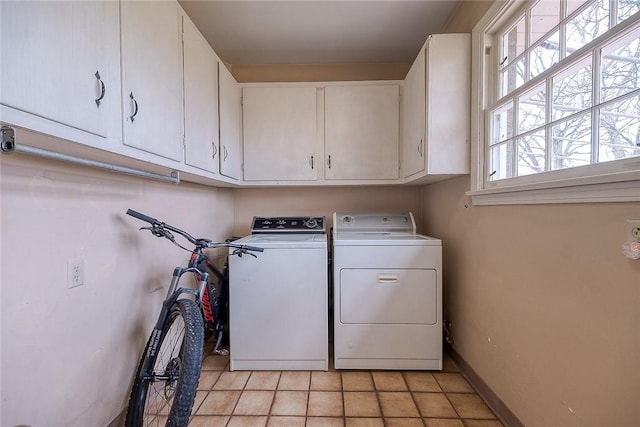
pixel 387 290
pixel 278 301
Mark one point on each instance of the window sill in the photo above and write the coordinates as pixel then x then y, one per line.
pixel 619 187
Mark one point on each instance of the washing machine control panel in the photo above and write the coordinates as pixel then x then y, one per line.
pixel 299 225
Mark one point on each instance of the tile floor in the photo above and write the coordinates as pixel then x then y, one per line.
pixel 336 398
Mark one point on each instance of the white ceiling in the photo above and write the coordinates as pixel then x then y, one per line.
pixel 307 32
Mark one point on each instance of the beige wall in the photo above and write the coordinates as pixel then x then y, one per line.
pixel 543 305
pixel 322 201
pixel 69 355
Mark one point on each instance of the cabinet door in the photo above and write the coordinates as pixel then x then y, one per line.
pixel 152 77
pixel 200 100
pixel 230 111
pixel 448 103
pixel 361 132
pixel 279 133
pixel 414 118
pixel 53 62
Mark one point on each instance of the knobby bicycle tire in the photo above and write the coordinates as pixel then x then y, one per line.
pixel 157 401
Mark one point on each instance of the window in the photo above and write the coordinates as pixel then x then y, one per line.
pixel 558 99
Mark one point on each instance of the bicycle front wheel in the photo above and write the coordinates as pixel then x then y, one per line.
pixel 164 393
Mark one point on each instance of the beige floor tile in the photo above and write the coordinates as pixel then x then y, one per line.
pixel 469 405
pixel 200 396
pixel 247 421
pixel 208 379
pixel 483 423
pixel 294 380
pixel 389 381
pixel 229 380
pixel 263 380
pixel 421 381
pixel 254 402
pixel 208 421
pixel 215 363
pixel 325 404
pixel 357 381
pixel 278 421
pixel 403 422
pixel 453 383
pixel 436 422
pixel 361 404
pixel 364 422
pixel 290 403
pixel 434 405
pixel 397 404
pixel 219 403
pixel 325 422
pixel 326 381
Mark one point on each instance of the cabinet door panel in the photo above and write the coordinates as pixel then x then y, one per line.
pixel 230 113
pixel 361 132
pixel 279 133
pixel 200 100
pixel 152 73
pixel 414 118
pixel 48 66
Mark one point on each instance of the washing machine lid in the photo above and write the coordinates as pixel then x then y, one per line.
pixel 284 241
pixel 383 239
pixel 377 222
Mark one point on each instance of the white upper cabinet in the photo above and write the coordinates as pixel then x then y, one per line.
pixel 436 109
pixel 55 67
pixel 201 138
pixel 362 132
pixel 152 77
pixel 230 127
pixel 280 133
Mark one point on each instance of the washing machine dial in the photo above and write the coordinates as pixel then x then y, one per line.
pixel 311 223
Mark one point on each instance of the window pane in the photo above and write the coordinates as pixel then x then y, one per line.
pixel 620 68
pixel 620 130
pixel 512 77
pixel 531 153
pixel 572 90
pixel 513 42
pixel 573 5
pixel 546 54
pixel 627 8
pixel 501 161
pixel 531 109
pixel 587 25
pixel 571 145
pixel 544 16
pixel 502 120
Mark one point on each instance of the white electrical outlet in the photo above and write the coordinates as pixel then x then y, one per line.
pixel 75 273
pixel 633 230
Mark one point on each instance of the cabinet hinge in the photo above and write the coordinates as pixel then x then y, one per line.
pixel 7 139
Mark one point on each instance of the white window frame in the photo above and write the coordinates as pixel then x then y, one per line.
pixel 615 181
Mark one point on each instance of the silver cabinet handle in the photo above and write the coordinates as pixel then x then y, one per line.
pixel 387 278
pixel 215 150
pixel 226 153
pixel 102 89
pixel 311 162
pixel 329 162
pixel 420 147
pixel 135 107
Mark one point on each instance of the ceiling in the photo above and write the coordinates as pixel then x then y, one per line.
pixel 317 32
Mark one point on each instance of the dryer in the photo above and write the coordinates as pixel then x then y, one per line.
pixel 387 293
pixel 278 301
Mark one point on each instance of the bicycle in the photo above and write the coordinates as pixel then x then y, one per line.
pixel 167 376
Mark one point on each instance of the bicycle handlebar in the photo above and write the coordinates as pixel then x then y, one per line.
pixel 205 243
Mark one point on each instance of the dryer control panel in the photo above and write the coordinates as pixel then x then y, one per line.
pixel 374 222
pixel 292 225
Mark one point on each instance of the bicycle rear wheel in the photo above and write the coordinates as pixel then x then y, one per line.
pixel 165 393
